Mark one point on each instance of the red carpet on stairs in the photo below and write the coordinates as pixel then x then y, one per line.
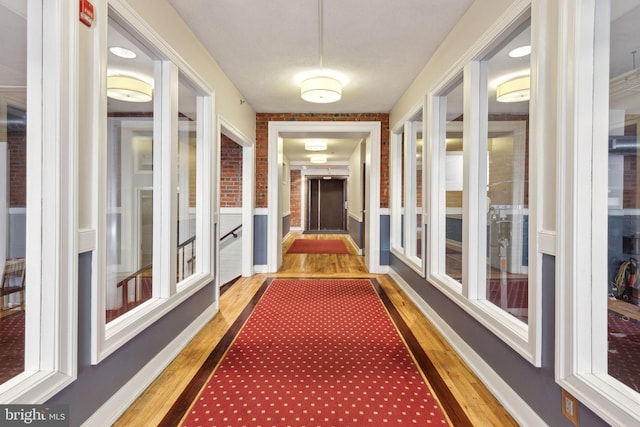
pixel 317 353
pixel 317 246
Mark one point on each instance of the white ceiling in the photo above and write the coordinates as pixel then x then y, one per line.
pixel 339 149
pixel 378 46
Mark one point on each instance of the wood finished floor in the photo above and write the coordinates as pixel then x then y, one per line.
pixel 479 405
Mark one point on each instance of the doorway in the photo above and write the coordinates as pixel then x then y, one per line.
pixel 368 131
pixel 145 230
pixel 326 204
pixel 242 214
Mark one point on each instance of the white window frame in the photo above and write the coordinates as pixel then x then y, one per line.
pixel 396 210
pixel 167 294
pixel 51 242
pixel 406 215
pixel 437 205
pixel 581 278
pixel 470 294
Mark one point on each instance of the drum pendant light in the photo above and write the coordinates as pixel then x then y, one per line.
pixel 321 88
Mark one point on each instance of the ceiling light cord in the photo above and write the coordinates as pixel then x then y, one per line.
pixel 321 88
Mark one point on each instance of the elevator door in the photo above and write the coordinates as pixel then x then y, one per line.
pixel 326 204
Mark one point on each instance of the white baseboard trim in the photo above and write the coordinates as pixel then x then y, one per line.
pixel 260 268
pixel 512 402
pixel 383 269
pixel 113 408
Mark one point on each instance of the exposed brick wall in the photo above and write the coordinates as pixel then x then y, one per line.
pixel 631 183
pixel 230 174
pixel 295 181
pixel 631 178
pixel 501 168
pixel 262 130
pixel 17 146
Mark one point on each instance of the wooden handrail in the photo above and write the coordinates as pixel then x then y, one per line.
pixel 133 275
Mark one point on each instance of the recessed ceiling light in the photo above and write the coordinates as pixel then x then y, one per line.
pixel 122 52
pixel 521 51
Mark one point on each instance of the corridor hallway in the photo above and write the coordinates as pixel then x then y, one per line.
pixel 472 397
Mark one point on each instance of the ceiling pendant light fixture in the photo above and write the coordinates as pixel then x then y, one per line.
pixel 315 145
pixel 130 89
pixel 318 158
pixel 321 89
pixel 514 90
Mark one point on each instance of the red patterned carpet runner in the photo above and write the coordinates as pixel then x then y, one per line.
pixel 11 345
pixel 317 353
pixel 317 246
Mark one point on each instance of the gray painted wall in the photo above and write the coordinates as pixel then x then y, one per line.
pixel 260 239
pixel 385 245
pixel 286 225
pixel 536 386
pixel 17 228
pixel 96 384
pixel 355 231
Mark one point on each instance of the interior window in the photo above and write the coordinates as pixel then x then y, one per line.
pixel 412 156
pixel 623 199
pixel 453 144
pixel 403 213
pixel 13 189
pixel 155 206
pixel 418 233
pixel 397 191
pixel 130 173
pixel 507 189
pixel 187 183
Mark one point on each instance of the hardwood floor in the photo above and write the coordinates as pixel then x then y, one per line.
pixel 479 405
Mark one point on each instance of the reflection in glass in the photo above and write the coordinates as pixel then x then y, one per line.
pixel 402 201
pixel 453 177
pixel 418 187
pixel 624 196
pixel 413 145
pixel 507 178
pixel 187 152
pixel 130 169
pixel 13 196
